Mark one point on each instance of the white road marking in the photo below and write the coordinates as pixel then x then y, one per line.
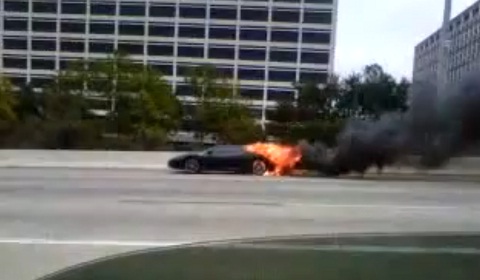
pixel 116 243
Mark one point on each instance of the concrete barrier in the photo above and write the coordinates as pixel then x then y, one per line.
pixel 85 159
pixel 158 160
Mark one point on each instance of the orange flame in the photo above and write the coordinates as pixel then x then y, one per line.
pixel 283 157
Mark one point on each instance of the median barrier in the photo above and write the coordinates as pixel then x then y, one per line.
pixel 85 159
pixel 158 160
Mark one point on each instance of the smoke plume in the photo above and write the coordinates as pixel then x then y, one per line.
pixel 436 127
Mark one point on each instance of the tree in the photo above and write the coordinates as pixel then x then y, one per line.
pixel 372 93
pixel 138 101
pixel 316 101
pixel 7 101
pixel 155 110
pixel 219 110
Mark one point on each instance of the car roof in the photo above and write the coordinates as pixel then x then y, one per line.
pixel 227 148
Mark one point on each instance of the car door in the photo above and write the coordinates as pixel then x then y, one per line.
pixel 212 159
pixel 221 159
pixel 232 158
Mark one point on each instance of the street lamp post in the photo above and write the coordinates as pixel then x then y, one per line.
pixel 444 47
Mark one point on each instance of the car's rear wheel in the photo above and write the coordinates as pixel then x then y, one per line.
pixel 192 166
pixel 259 167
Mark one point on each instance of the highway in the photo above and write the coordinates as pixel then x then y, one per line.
pixel 52 217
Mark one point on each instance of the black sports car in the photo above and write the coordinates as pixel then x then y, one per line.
pixel 229 158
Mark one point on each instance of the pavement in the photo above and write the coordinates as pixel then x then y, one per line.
pixel 51 218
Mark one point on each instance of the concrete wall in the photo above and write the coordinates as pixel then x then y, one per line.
pixel 158 160
pixel 84 159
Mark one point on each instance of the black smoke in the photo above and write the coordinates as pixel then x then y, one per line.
pixel 436 128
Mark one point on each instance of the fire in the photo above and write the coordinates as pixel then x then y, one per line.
pixel 283 157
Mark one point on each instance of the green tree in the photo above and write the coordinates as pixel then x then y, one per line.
pixel 219 109
pixel 8 101
pixel 371 93
pixel 137 99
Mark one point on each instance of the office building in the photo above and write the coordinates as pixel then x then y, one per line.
pixel 463 49
pixel 264 45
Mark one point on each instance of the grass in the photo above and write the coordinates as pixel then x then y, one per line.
pixel 227 263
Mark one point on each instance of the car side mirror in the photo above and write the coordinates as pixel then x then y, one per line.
pixel 208 153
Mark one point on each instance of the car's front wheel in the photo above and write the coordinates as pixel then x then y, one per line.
pixel 192 165
pixel 259 167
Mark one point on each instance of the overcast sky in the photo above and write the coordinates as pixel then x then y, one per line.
pixel 385 32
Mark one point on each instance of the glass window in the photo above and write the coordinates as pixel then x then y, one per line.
pixel 102 27
pixel 319 1
pixel 132 9
pixel 190 51
pixel 283 55
pixel 18 81
pixel 160 50
pixel 68 45
pixel 253 34
pixel 102 8
pixel 221 52
pixel 286 16
pixel 184 90
pixel 226 71
pixel 258 14
pixel 185 69
pixel 192 11
pixel 191 31
pixel 15 62
pixel 251 93
pixel 15 43
pixel 131 48
pixel 101 47
pixel 284 36
pixel 44 45
pixel 74 8
pixel 282 75
pixel 162 11
pixel 15 6
pixel 222 33
pixel 281 95
pixel 316 37
pixel 39 82
pixel 15 24
pixel 65 63
pixel 43 63
pixel 245 73
pixel 73 27
pixel 315 57
pixel 223 13
pixel 45 7
pixel 161 30
pixel 317 17
pixel 44 25
pixel 252 54
pixel 319 77
pixel 165 69
pixel 131 28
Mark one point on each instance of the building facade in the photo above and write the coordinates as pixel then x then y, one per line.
pixel 264 45
pixel 464 49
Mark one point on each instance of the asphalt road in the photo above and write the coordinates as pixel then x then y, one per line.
pixel 52 218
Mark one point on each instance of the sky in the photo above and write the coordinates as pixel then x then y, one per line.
pixel 386 32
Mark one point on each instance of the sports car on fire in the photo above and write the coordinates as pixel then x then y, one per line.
pixel 258 159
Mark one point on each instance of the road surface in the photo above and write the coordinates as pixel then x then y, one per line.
pixel 51 218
